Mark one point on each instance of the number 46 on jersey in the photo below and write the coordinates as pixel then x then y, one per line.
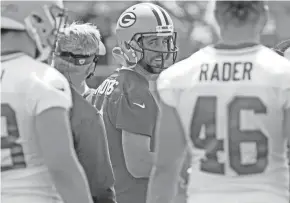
pixel 205 114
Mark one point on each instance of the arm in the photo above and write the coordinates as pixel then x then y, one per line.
pixel 50 99
pixel 93 153
pixel 136 117
pixel 170 151
pixel 139 159
pixel 56 145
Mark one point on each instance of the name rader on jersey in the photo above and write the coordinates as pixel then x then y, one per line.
pixel 226 71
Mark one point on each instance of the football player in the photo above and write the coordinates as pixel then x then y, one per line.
pixel 229 103
pixel 77 50
pixel 146 39
pixel 38 161
pixel 283 49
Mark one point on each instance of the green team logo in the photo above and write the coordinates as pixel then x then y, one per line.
pixel 127 20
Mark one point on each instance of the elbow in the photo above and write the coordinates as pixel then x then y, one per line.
pixel 60 168
pixel 60 174
pixel 139 165
pixel 64 164
pixel 139 170
pixel 66 173
pixel 138 158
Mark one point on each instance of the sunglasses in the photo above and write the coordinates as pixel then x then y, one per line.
pixel 77 59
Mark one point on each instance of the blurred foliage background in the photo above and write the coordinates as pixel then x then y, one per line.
pixel 193 21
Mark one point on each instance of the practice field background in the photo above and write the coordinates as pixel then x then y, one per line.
pixel 193 21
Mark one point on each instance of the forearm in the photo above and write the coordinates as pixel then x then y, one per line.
pixel 55 141
pixel 69 178
pixel 140 163
pixel 139 159
pixel 71 184
pixel 162 185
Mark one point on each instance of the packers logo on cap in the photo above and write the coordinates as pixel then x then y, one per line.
pixel 78 60
pixel 82 61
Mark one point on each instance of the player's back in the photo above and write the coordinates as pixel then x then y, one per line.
pixel 115 98
pixel 231 106
pixel 22 166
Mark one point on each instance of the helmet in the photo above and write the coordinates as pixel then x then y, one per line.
pixel 141 20
pixel 40 19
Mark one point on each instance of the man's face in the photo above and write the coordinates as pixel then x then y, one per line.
pixel 154 58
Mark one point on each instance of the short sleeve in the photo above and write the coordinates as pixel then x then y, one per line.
pixel 44 95
pixel 166 91
pixel 137 113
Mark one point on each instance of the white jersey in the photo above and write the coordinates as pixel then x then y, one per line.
pixel 231 105
pixel 28 88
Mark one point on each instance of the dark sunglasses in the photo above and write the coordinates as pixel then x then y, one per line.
pixel 78 60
